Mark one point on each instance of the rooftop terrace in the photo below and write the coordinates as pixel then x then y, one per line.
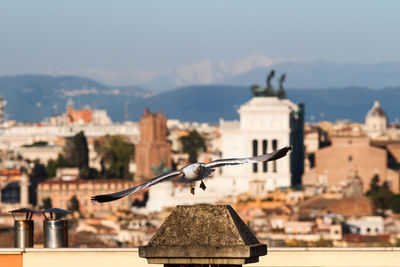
pixel 201 234
pixel 277 257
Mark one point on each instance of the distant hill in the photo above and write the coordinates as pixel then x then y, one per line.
pixel 194 103
pixel 300 74
pixel 254 69
pixel 24 92
pixel 210 103
pixel 347 103
pixel 323 75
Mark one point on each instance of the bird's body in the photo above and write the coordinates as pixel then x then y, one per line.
pixel 192 173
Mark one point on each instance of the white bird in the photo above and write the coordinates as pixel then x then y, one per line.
pixel 193 172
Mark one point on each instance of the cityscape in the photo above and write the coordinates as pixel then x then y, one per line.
pixel 300 200
pixel 199 133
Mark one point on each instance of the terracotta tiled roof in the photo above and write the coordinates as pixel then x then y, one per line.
pixel 317 203
pixel 352 206
pixel 76 115
pixel 10 173
pixel 356 238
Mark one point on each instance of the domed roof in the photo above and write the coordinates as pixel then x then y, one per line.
pixel 376 111
pixel 352 206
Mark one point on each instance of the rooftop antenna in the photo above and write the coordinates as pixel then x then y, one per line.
pixel 55 109
pixel 38 107
pixel 127 111
pixel 322 116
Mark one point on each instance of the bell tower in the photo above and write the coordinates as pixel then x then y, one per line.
pixel 153 148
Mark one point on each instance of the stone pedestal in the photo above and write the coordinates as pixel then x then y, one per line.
pixel 203 235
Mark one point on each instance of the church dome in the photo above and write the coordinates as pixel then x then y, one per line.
pixel 376 111
pixel 376 121
pixel 352 206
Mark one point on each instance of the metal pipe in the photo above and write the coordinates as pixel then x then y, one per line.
pixel 55 233
pixel 23 233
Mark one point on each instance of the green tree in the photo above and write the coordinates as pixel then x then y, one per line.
pixel 115 154
pixel 52 165
pixel 46 203
pixel 51 168
pixel 383 198
pixel 77 153
pixel 192 144
pixel 374 185
pixel 38 174
pixel 381 195
pixel 322 242
pixel 395 203
pixel 73 204
pixel 159 169
pixel 37 144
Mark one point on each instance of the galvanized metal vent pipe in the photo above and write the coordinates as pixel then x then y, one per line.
pixel 23 229
pixel 55 231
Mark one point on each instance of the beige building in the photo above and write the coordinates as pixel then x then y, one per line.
pixel 349 155
pixel 17 136
pixel 266 124
pixel 43 153
pixel 60 192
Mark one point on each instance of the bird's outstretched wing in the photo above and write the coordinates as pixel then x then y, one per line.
pixel 130 191
pixel 235 161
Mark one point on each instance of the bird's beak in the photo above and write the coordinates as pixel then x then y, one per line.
pixel 197 169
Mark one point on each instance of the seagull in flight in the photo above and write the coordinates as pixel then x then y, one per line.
pixel 192 173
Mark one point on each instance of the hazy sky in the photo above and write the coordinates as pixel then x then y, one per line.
pixel 45 35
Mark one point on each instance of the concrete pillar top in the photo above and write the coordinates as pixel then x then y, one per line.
pixel 203 234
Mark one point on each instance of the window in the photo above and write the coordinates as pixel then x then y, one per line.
pixel 255 153
pixel 274 148
pixel 264 151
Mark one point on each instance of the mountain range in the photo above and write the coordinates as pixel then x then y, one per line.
pixel 205 103
pixel 34 97
pixel 253 69
pixel 299 74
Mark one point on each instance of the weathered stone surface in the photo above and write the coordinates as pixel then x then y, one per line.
pixel 203 233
